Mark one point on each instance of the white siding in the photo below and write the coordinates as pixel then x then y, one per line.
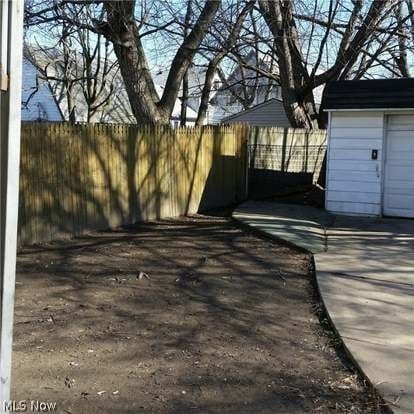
pixel 399 166
pixel 354 183
pixel 38 103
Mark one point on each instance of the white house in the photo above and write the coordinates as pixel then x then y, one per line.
pixel 248 96
pixel 38 100
pixel 370 161
pixel 242 88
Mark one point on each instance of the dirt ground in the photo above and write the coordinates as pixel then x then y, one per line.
pixel 220 321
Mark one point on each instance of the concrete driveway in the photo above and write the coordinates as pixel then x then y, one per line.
pixel 365 274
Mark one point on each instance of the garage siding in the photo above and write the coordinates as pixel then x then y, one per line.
pixel 353 178
pixel 399 166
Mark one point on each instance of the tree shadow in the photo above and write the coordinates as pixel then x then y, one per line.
pixel 75 178
pixel 224 316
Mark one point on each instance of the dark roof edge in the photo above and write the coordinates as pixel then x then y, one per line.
pixel 370 109
pixel 370 94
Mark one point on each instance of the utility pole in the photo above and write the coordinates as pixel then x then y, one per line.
pixel 11 50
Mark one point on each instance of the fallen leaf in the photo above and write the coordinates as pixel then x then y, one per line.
pixel 142 275
pixel 69 382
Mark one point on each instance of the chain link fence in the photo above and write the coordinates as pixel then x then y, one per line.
pixel 284 159
pixel 298 158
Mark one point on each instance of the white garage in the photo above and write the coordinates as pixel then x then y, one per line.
pixel 370 160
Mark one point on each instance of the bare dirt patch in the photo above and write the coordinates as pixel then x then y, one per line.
pixel 188 316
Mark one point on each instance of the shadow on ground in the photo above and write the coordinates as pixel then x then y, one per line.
pixel 220 321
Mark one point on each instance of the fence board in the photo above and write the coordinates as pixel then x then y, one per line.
pixel 94 176
pixel 80 177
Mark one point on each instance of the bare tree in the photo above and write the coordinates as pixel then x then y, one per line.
pixel 119 25
pixel 405 37
pixel 68 78
pixel 98 72
pixel 122 30
pixel 306 44
pixel 78 64
pixel 297 79
pixel 57 65
pixel 217 58
pixel 185 86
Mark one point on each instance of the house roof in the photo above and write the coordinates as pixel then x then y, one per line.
pixel 270 113
pixel 369 94
pixel 252 109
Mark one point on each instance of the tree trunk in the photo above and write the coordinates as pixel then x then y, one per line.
pixel 212 67
pixel 71 108
pixel 184 101
pixel 184 97
pixel 122 30
pixel 401 59
pixel 297 84
pixel 300 110
pixel 205 94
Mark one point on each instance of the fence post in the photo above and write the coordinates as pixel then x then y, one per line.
pixel 11 48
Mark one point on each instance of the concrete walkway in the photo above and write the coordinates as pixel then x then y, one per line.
pixel 365 274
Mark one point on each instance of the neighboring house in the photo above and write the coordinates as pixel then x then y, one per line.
pixel 38 100
pixel 370 168
pixel 196 77
pixel 239 94
pixel 266 114
pixel 116 110
pixel 243 89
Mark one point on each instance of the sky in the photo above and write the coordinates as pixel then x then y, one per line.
pixel 161 48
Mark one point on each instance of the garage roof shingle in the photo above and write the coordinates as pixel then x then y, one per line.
pixel 367 94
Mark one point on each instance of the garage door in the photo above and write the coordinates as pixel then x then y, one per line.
pixel 399 166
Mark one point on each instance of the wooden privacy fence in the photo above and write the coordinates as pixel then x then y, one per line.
pixel 90 176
